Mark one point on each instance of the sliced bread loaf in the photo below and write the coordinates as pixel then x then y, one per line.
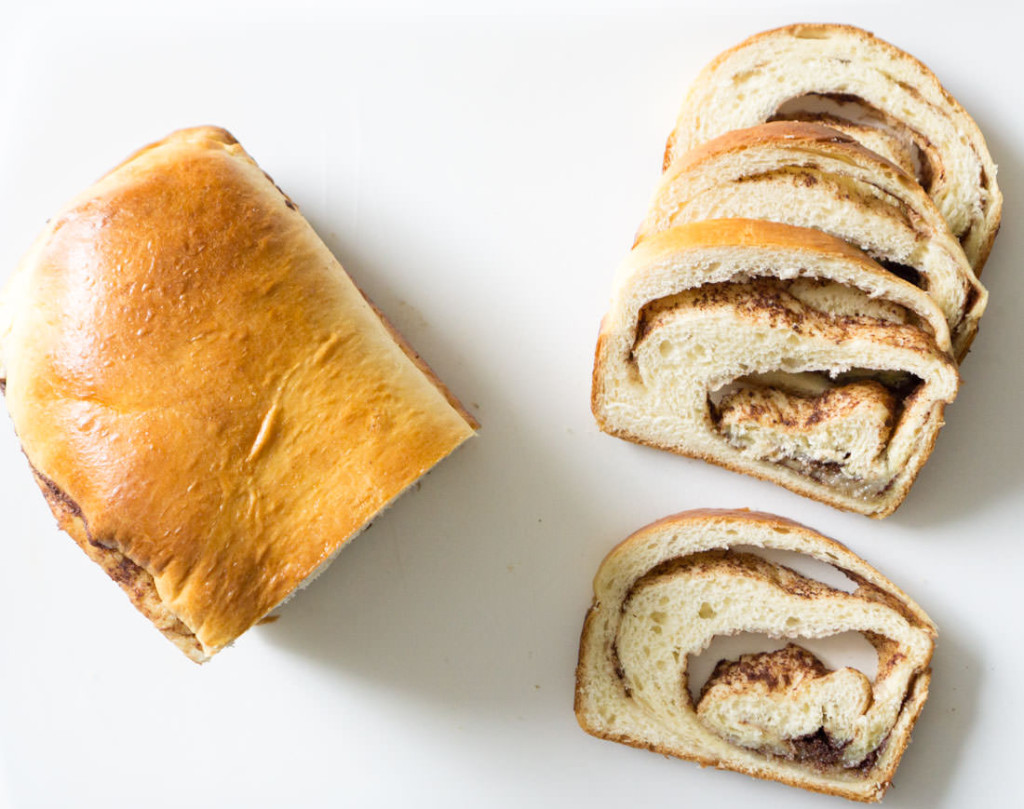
pixel 665 593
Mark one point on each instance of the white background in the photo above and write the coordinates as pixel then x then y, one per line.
pixel 480 171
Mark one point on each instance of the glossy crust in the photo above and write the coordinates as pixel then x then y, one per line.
pixel 617 574
pixel 209 404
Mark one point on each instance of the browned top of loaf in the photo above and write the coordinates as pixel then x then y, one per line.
pixel 195 371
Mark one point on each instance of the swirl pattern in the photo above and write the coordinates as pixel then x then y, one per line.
pixel 779 352
pixel 876 93
pixel 812 176
pixel 665 593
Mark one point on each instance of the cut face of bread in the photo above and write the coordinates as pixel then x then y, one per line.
pixel 812 176
pixel 847 78
pixel 779 352
pixel 664 594
pixel 209 404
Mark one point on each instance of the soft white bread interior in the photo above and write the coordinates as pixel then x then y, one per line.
pixel 838 73
pixel 812 176
pixel 779 352
pixel 666 592
pixel 208 402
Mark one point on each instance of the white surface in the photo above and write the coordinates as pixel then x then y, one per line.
pixel 479 171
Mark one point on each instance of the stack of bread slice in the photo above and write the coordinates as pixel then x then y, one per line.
pixel 664 594
pixel 805 282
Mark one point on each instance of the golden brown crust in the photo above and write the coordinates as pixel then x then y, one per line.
pixel 421 364
pixel 195 371
pixel 136 582
pixel 758 233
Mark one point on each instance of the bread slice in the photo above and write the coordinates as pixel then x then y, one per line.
pixel 811 176
pixel 667 591
pixel 779 352
pixel 209 404
pixel 837 73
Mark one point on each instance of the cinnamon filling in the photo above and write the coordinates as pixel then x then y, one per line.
pixel 788 703
pixel 828 298
pixel 836 426
pixel 835 431
pixel 902 145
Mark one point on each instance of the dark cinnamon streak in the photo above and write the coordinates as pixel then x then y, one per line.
pixel 133 579
pixel 818 749
pixel 765 296
pixel 777 670
pixel 55 493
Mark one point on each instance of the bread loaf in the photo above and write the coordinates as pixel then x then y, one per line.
pixel 811 176
pixel 210 406
pixel 779 352
pixel 848 78
pixel 666 592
